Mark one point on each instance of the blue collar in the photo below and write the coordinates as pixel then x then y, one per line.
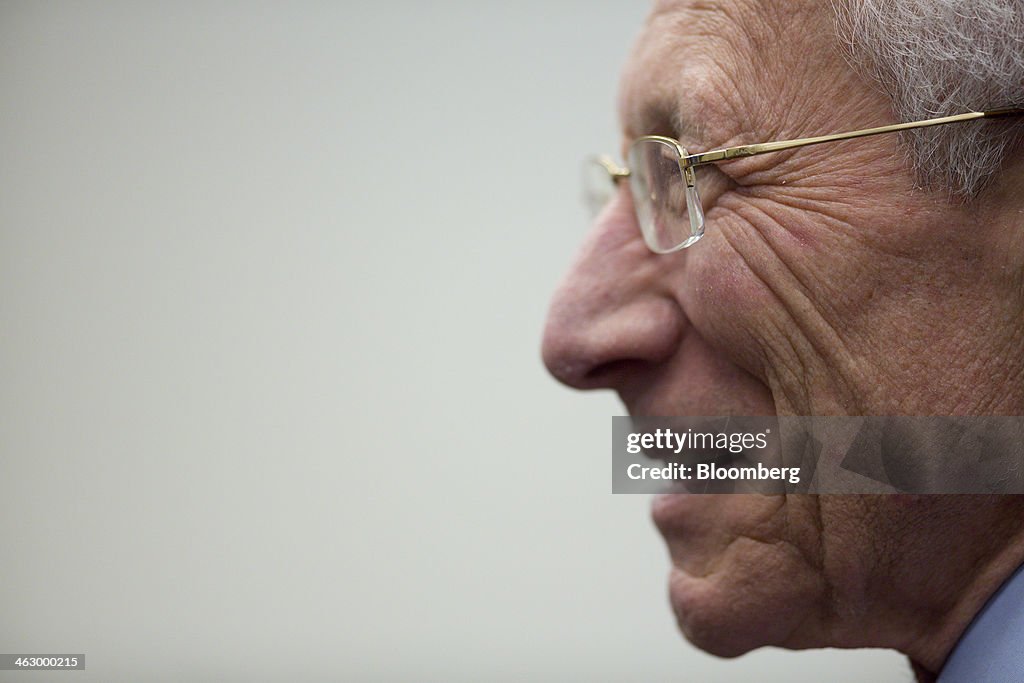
pixel 992 647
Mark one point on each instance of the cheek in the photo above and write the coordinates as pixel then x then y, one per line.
pixel 727 301
pixel 770 270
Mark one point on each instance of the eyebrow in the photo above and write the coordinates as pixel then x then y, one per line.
pixel 663 116
pixel 687 128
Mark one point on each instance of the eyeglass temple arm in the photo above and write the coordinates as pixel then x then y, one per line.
pixel 616 172
pixel 764 147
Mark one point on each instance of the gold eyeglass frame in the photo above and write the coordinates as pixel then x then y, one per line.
pixel 687 161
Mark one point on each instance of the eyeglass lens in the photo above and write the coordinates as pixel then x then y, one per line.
pixel 669 212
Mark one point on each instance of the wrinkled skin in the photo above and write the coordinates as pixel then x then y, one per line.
pixel 827 283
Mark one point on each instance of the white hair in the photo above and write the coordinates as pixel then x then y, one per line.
pixel 940 57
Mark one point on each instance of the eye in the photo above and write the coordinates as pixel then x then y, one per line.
pixel 712 183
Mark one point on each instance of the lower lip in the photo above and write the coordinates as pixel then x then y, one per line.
pixel 666 507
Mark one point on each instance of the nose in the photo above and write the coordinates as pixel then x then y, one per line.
pixel 614 314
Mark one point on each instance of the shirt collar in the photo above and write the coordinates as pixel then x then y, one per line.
pixel 992 647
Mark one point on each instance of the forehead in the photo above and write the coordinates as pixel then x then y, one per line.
pixel 698 64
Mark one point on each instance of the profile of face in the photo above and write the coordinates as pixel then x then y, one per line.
pixel 827 283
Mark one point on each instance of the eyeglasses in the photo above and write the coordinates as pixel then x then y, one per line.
pixel 665 185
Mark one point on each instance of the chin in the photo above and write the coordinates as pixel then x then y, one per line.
pixel 737 584
pixel 708 618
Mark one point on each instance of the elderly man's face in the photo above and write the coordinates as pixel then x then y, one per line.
pixel 825 284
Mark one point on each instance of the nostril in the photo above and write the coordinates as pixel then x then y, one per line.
pixel 611 373
pixel 598 374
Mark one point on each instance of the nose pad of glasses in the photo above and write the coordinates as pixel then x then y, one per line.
pixel 695 214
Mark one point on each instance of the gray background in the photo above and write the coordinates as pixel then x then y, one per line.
pixel 272 283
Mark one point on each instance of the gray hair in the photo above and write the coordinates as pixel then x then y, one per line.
pixel 940 57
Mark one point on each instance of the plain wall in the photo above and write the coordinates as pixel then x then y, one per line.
pixel 272 283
